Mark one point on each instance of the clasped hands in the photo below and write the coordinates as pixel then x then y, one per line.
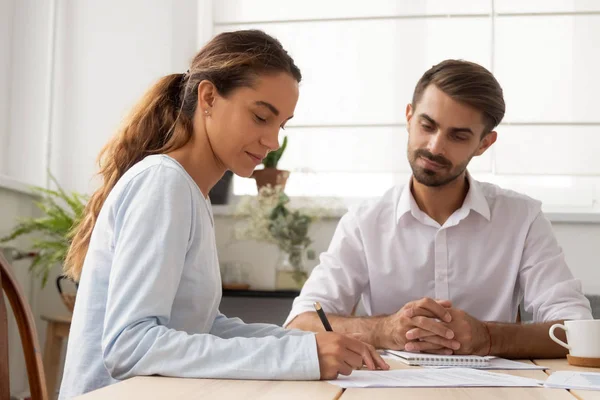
pixel 432 326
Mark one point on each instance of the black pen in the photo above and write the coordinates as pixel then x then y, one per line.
pixel 323 317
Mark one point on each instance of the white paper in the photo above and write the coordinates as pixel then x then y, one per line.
pixel 574 380
pixel 450 377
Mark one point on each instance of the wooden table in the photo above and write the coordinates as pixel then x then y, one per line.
pixel 562 365
pixel 56 332
pixel 461 393
pixel 177 388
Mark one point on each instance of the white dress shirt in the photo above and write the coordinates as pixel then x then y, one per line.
pixel 493 253
pixel 149 294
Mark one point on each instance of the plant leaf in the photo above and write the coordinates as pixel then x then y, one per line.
pixel 60 212
pixel 272 159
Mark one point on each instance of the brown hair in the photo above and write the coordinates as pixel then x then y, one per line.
pixel 467 83
pixel 162 120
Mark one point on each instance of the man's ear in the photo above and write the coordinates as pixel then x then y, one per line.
pixel 486 142
pixel 206 94
pixel 409 112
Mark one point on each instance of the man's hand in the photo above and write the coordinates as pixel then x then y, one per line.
pixel 471 333
pixel 420 316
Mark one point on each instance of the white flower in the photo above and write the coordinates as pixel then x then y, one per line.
pixel 259 222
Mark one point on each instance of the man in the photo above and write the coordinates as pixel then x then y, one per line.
pixel 477 249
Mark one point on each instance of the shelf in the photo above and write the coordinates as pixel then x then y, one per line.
pixel 275 294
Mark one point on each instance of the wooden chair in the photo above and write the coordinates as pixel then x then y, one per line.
pixel 29 340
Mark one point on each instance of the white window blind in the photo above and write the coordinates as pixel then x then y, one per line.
pixel 361 60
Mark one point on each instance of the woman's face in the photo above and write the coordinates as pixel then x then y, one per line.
pixel 244 126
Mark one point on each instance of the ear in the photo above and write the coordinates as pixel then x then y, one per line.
pixel 409 112
pixel 486 142
pixel 207 93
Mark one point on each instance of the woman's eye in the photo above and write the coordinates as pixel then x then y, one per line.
pixel 259 118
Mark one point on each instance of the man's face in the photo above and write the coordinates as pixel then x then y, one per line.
pixel 443 136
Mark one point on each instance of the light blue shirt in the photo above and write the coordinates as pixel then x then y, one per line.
pixel 150 290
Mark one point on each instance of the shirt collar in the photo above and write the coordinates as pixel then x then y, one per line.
pixel 475 200
pixel 405 201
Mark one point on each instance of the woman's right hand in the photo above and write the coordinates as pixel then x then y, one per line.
pixel 340 354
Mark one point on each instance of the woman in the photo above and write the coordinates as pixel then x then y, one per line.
pixel 145 254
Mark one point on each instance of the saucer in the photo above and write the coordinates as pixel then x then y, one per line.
pixel 583 361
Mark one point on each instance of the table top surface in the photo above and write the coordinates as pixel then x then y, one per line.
pixel 171 388
pixel 563 365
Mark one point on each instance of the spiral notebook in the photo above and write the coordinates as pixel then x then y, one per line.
pixel 423 359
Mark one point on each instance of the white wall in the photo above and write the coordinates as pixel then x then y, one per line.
pixel 26 89
pixel 105 55
pixel 6 22
pixel 105 62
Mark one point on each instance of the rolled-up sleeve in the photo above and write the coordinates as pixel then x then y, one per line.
pixel 341 276
pixel 550 290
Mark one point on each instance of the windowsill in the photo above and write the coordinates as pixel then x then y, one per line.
pixel 573 216
pixel 555 215
pixel 275 294
pixel 228 210
pixel 15 185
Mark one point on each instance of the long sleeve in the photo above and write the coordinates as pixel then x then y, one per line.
pixel 225 328
pixel 551 291
pixel 341 275
pixel 153 231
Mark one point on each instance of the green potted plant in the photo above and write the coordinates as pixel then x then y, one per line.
pixel 270 218
pixel 60 212
pixel 270 174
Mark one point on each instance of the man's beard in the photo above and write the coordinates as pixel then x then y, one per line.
pixel 435 178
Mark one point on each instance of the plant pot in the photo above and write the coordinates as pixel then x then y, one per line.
pixel 270 176
pixel 219 194
pixel 290 270
pixel 67 298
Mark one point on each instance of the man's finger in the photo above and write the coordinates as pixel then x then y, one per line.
pixel 427 304
pixel 420 312
pixel 444 303
pixel 418 333
pixel 440 341
pixel 421 346
pixel 433 326
pixel 441 351
pixel 435 349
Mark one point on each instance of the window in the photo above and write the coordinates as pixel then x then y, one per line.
pixel 361 60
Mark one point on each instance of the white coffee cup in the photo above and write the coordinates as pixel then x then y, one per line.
pixel 583 337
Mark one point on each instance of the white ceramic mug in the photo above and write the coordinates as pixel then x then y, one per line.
pixel 583 337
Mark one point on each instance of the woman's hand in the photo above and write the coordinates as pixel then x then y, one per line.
pixel 340 354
